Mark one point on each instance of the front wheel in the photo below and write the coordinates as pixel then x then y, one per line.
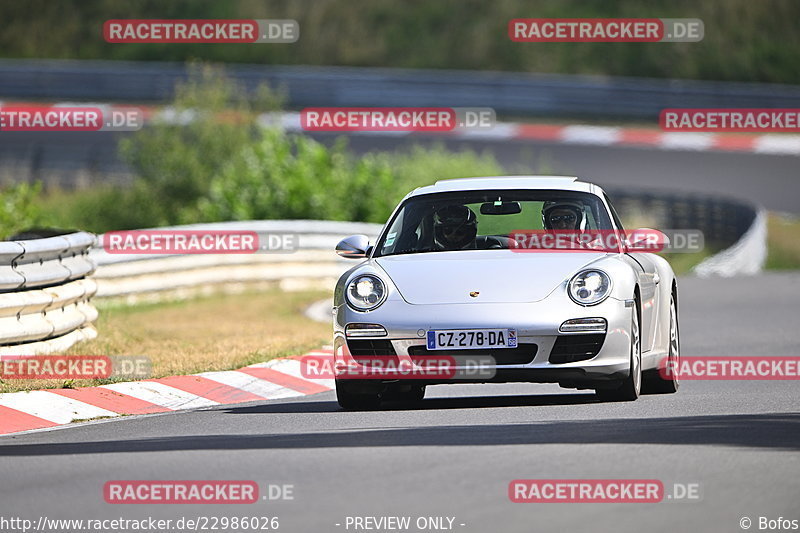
pixel 655 382
pixel 408 396
pixel 356 401
pixel 631 387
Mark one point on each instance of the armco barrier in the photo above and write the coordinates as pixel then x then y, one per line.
pixel 737 228
pixel 723 221
pixel 511 93
pixel 45 294
pixel 746 256
pixel 133 277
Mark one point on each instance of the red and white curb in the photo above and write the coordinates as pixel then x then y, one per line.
pixel 578 134
pixel 572 134
pixel 41 409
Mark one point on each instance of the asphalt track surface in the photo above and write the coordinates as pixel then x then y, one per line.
pixel 456 454
pixel 65 158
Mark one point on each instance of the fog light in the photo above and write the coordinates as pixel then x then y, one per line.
pixel 365 330
pixel 583 325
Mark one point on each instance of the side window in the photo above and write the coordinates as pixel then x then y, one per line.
pixel 617 221
pixel 591 221
pixel 391 236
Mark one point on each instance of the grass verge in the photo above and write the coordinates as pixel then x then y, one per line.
pixel 682 264
pixel 783 242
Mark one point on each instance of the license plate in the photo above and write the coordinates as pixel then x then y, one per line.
pixel 471 339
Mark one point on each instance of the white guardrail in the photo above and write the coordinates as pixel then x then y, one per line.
pixel 45 293
pixel 148 277
pixel 746 257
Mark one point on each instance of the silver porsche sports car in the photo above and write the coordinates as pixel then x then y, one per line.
pixel 447 281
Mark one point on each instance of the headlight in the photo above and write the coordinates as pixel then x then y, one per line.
pixel 365 292
pixel 589 287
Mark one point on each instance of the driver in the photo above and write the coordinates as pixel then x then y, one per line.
pixel 563 215
pixel 455 227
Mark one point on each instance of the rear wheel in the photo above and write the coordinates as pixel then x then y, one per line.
pixel 632 385
pixel 356 401
pixel 655 382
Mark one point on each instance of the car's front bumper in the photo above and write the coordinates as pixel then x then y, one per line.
pixel 536 323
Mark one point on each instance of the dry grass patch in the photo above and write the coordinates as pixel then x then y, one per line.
pixel 220 332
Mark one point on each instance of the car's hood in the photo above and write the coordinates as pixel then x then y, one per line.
pixel 497 275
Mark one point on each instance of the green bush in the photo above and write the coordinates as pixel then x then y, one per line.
pixel 19 209
pixel 289 177
pixel 222 165
pixel 176 160
pixel 101 208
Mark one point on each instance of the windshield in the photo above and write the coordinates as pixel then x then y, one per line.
pixel 481 220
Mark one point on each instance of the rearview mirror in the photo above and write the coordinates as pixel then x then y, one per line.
pixel 501 208
pixel 353 247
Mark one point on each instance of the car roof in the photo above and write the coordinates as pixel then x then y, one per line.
pixel 559 183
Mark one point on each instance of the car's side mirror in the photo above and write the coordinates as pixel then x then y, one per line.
pixel 646 240
pixel 354 247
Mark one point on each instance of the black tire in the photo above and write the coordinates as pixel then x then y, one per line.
pixel 654 382
pixel 356 401
pixel 631 387
pixel 412 396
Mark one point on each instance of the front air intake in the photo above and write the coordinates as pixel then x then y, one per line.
pixel 370 347
pixel 571 348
